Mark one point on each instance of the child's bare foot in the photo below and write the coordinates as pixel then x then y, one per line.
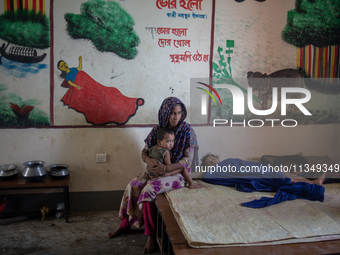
pixel 118 232
pixel 194 185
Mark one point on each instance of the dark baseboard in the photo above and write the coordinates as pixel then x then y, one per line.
pixel 79 201
pixel 95 201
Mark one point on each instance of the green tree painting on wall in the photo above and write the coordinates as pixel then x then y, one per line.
pixel 25 29
pixel 107 25
pixel 25 26
pixel 315 22
pixel 313 27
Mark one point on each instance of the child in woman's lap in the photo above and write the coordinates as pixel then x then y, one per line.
pixel 161 152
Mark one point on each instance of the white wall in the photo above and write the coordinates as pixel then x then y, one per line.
pixel 78 148
pixel 247 142
pixel 150 76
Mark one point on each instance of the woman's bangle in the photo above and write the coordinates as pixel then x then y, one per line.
pixel 164 170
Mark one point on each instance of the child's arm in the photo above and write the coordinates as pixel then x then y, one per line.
pixel 166 157
pixel 167 161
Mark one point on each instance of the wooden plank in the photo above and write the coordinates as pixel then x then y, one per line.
pixel 180 246
pixel 161 202
pixel 327 247
pixel 169 218
pixel 21 183
pixel 175 235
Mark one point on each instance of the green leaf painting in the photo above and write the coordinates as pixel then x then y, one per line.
pixel 315 22
pixel 25 28
pixel 107 25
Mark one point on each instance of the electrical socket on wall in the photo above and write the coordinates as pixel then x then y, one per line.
pixel 101 158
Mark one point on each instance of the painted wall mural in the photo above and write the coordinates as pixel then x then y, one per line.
pixel 300 41
pixel 187 56
pixel 16 112
pixel 313 22
pixel 99 104
pixel 24 23
pixel 25 35
pixel 313 27
pixel 124 66
pixel 110 29
pixel 143 50
pixel 180 40
pixel 135 53
pixel 107 25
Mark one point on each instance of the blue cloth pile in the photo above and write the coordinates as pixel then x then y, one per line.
pixel 248 176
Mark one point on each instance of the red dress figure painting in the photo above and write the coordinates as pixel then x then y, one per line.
pixel 100 104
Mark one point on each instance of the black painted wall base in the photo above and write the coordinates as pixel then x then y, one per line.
pixel 79 201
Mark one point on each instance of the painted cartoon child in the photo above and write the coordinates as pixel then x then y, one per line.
pixel 161 152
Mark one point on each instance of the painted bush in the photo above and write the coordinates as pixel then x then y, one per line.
pixel 107 25
pixel 25 24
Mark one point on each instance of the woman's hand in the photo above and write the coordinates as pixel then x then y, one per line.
pixel 150 162
pixel 158 169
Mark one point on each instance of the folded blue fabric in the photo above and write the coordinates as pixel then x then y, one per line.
pixel 264 179
pixel 290 192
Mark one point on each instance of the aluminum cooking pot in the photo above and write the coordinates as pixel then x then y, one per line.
pixel 34 171
pixel 58 171
pixel 8 172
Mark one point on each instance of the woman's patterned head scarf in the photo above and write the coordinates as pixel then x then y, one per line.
pixel 183 140
pixel 165 111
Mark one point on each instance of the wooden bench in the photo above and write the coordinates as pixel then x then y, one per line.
pixel 48 183
pixel 171 240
